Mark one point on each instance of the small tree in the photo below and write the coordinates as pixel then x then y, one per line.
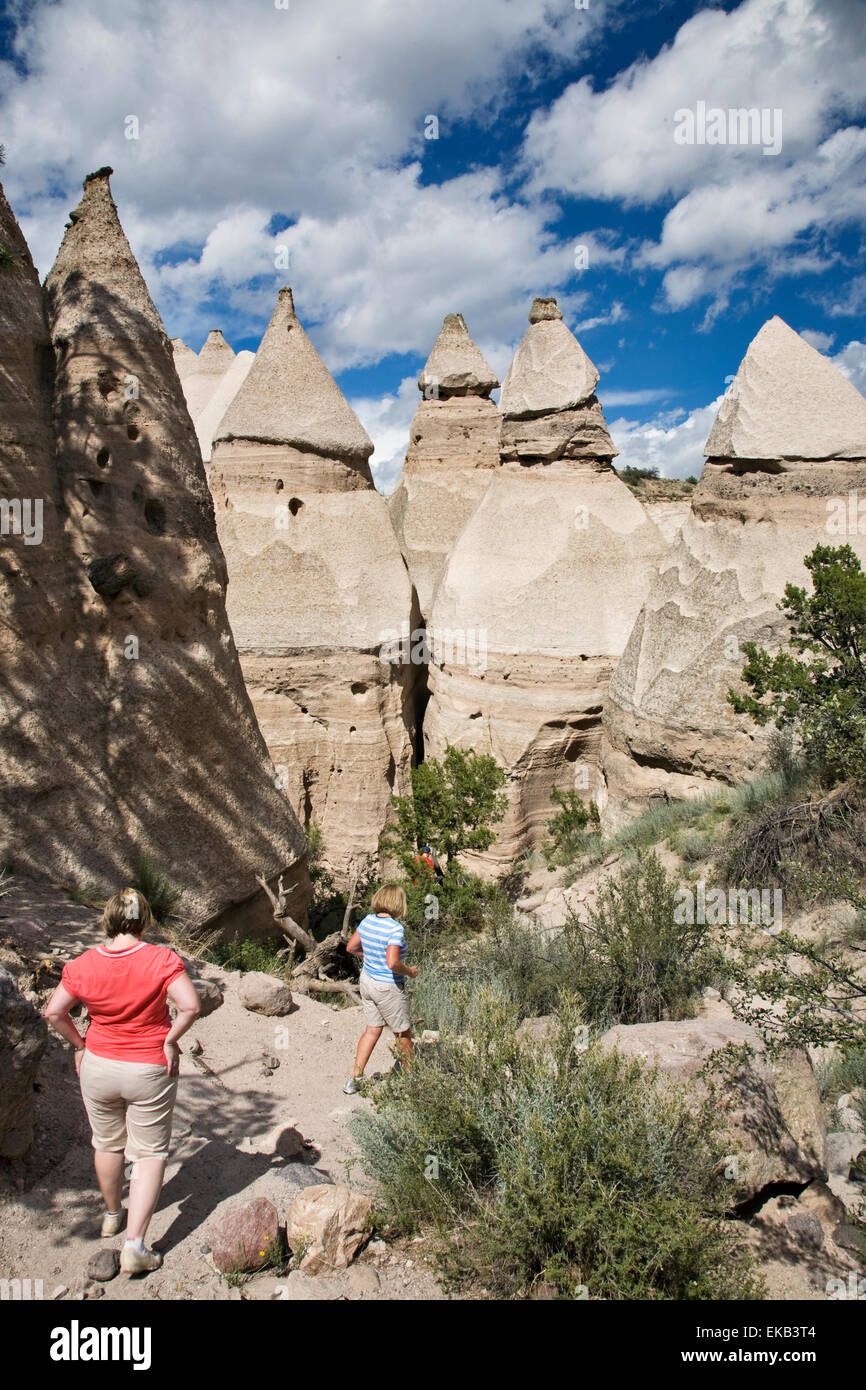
pixel 453 806
pixel 567 830
pixel 822 699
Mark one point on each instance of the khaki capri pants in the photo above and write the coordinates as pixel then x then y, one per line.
pixel 384 1003
pixel 129 1105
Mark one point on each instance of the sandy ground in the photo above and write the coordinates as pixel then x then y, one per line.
pixel 226 1135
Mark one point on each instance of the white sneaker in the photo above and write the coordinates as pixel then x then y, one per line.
pixel 352 1086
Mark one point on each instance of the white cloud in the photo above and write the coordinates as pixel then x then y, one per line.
pixel 675 449
pixel 387 419
pixel 851 362
pixel 821 342
pixel 316 112
pixel 734 206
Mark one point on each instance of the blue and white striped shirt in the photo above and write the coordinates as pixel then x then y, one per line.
pixel 377 933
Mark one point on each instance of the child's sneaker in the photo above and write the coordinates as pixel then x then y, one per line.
pixel 352 1086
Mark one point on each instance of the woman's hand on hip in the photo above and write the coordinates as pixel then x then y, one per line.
pixel 172 1058
pixel 79 1058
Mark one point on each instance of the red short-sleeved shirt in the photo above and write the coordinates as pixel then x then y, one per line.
pixel 125 994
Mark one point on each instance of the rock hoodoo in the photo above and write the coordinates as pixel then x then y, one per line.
pixel 317 585
pixel 787 447
pixel 210 379
pixel 172 764
pixel 453 446
pixel 542 587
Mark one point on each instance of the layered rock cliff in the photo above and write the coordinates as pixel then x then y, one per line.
pixel 787 447
pixel 541 589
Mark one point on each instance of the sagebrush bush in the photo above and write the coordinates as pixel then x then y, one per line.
pixel 546 1164
pixel 632 961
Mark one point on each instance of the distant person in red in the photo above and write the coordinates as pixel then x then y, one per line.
pixel 428 858
pixel 128 1063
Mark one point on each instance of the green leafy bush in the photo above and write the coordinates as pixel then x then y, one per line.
pixel 162 894
pixel 632 961
pixel 453 806
pixel 553 1166
pixel 567 831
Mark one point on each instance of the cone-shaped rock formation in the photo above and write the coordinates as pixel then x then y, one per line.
pixel 454 443
pixel 542 588
pixel 167 723
pixel 768 495
pixel 317 585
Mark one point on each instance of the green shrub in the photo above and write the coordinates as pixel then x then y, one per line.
pixel 458 904
pixel 553 1166
pixel 632 961
pixel 567 831
pixel 157 887
pixel 248 954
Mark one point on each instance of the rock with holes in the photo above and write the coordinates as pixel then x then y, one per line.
pixel 171 765
pixel 317 587
pixel 44 690
pixel 245 1237
pixel 784 457
pixel 453 451
pixel 540 591
pixel 327 1225
pixel 769 1111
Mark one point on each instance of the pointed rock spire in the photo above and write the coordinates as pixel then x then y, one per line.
pixel 226 389
pixel 169 722
pixel 290 397
pixel 200 382
pixel 550 370
pixel 787 401
pixel 456 367
pixel 185 359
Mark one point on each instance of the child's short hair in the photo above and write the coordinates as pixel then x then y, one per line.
pixel 391 899
pixel 127 912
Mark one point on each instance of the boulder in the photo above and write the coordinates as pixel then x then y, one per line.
pixel 243 1237
pixel 327 1225
pixel 264 994
pixel 775 1128
pixel 210 996
pixel 23 1039
pixel 843 1147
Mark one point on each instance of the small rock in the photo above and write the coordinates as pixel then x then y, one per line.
pixel 93 1291
pixel 242 1237
pixel 272 1063
pixel 806 1230
pixel 842 1149
pixel 850 1238
pixel 59 1292
pixel 329 1223
pixel 103 1265
pixel 361 1279
pixel 857 1171
pixel 196 1048
pixel 210 996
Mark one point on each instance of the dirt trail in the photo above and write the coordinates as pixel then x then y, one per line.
pixel 225 1147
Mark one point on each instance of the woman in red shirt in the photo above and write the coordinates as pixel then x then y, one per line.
pixel 128 1062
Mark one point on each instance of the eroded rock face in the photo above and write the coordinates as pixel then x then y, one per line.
pixel 168 745
pixel 23 1039
pixel 540 592
pixel 771 1110
pixel 453 446
pixel 667 721
pixel 43 707
pixel 317 585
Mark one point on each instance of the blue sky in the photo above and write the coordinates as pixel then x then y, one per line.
pixel 304 128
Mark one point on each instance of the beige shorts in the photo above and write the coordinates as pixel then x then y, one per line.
pixel 384 1003
pixel 129 1105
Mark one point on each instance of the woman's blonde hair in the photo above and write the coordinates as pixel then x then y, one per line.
pixel 128 912
pixel 391 899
